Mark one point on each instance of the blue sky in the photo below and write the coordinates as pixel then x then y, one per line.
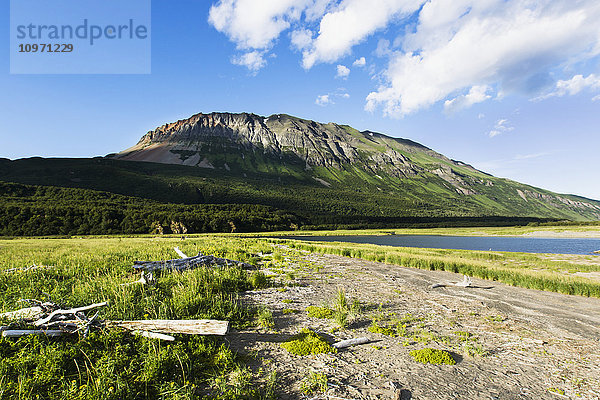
pixel 510 86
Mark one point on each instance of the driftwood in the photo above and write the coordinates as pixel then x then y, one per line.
pixel 77 312
pixel 9 333
pixel 351 342
pixel 189 327
pixel 466 282
pixel 181 264
pixel 51 320
pixel 31 313
pixel 180 253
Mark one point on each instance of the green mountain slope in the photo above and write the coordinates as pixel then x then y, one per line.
pixel 340 157
pixel 245 172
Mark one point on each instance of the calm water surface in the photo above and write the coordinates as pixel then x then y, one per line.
pixel 520 244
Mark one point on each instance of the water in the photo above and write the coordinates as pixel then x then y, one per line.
pixel 486 243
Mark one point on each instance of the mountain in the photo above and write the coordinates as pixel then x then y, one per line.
pixel 223 172
pixel 339 156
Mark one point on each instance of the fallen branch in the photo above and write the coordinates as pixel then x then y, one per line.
pixel 351 342
pixel 24 313
pixel 73 311
pixel 54 321
pixel 180 253
pixel 189 327
pixel 181 264
pixel 25 332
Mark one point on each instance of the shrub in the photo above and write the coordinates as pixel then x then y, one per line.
pixel 314 382
pixel 319 312
pixel 432 356
pixel 308 342
pixel 258 280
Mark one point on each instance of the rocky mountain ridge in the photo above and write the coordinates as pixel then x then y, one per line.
pixel 337 155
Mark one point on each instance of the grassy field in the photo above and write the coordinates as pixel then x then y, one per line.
pixel 115 364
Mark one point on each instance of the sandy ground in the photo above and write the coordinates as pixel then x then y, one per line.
pixel 525 344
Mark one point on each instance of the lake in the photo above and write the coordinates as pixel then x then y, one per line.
pixel 486 243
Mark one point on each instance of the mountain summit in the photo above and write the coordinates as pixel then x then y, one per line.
pixel 341 157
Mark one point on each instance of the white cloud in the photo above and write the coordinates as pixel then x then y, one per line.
pixel 574 85
pixel 459 44
pixel 342 72
pixel 454 47
pixel 360 62
pixel 383 48
pixel 253 60
pixel 596 98
pixel 255 24
pixel 351 23
pixel 301 38
pixel 477 94
pixel 500 127
pixel 481 116
pixel 323 100
pixel 326 99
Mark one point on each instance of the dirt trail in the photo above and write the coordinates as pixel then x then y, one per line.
pixel 509 343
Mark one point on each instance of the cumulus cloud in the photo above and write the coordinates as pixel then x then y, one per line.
pixel 464 43
pixel 253 60
pixel 301 39
pixel 596 98
pixel 501 126
pixel 254 24
pixel 574 85
pixel 323 100
pixel 360 62
pixel 477 94
pixel 342 72
pixel 326 99
pixel 351 23
pixel 448 51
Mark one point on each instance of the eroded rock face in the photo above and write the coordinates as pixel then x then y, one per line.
pixel 316 144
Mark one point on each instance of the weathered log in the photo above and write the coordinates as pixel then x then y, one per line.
pixel 72 311
pixel 24 313
pixel 181 264
pixel 153 335
pixel 189 327
pixel 351 342
pixel 24 332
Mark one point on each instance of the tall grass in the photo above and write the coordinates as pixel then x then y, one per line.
pixel 114 364
pixel 516 269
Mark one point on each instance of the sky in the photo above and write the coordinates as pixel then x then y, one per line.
pixel 511 87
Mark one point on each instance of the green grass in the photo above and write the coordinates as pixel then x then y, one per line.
pixel 113 364
pixel 517 269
